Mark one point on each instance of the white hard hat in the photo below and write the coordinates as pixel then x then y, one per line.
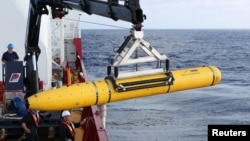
pixel 65 113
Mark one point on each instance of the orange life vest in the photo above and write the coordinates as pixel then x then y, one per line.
pixel 35 117
pixel 70 126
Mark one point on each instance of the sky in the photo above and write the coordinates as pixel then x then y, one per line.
pixel 183 14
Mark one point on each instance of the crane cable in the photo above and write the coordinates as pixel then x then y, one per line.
pixel 96 23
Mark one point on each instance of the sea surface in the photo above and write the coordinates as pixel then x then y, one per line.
pixel 185 115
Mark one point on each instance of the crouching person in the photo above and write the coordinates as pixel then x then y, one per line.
pixel 30 124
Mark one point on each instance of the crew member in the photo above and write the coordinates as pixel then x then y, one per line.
pixel 3 135
pixel 67 128
pixel 30 124
pixel 10 54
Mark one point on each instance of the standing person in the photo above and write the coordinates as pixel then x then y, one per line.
pixel 30 124
pixel 67 128
pixel 10 54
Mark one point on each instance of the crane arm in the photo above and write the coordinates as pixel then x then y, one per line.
pixel 130 11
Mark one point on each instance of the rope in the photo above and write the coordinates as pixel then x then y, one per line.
pixel 96 23
pixel 90 131
pixel 90 128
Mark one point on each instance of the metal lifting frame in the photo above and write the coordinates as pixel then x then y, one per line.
pixel 129 46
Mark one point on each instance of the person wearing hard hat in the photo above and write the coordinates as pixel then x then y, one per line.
pixel 67 128
pixel 10 54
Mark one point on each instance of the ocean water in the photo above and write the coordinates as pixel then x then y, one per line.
pixel 179 116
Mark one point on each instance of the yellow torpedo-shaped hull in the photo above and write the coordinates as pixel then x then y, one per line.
pixel 103 91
